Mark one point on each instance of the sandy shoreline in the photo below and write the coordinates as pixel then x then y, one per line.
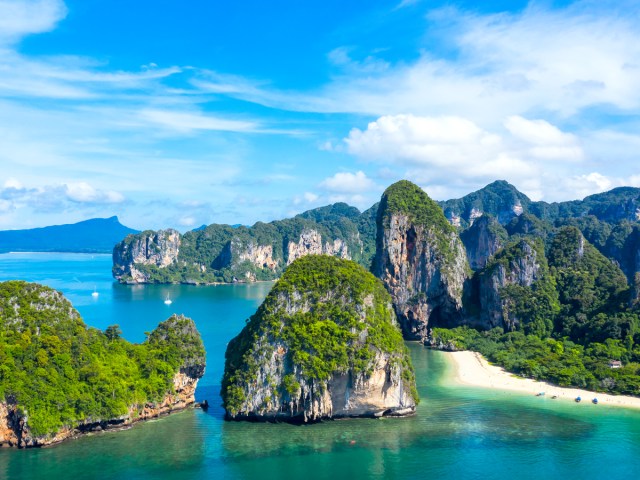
pixel 471 368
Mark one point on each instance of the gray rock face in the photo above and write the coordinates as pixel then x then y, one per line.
pixel 482 240
pixel 424 280
pixel 297 361
pixel 242 257
pixel 311 243
pixel 236 251
pixel 523 269
pixel 159 248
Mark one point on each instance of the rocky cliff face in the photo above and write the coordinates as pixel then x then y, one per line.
pixel 324 344
pixel 15 431
pixel 420 260
pixel 236 252
pixel 159 249
pixel 310 243
pixel 482 240
pixel 623 245
pixel 519 265
pixel 228 254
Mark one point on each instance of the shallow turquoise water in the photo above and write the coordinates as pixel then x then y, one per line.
pixel 459 432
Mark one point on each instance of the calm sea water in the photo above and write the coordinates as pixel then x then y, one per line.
pixel 459 432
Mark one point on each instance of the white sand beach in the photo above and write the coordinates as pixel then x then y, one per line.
pixel 473 369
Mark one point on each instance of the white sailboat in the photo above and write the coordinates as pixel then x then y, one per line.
pixel 168 301
pixel 95 293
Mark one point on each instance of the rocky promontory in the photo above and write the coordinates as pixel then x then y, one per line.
pixel 420 259
pixel 222 253
pixel 324 344
pixel 60 379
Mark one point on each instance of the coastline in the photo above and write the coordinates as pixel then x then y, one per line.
pixel 472 369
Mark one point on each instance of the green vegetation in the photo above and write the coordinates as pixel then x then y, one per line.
pixel 573 319
pixel 557 360
pixel 495 198
pixel 532 308
pixel 61 373
pixel 498 197
pixel 330 315
pixel 408 198
pixel 211 254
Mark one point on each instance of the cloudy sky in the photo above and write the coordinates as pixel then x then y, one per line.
pixel 172 113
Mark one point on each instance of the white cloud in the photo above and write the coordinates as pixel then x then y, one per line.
pixel 82 192
pixel 410 139
pixel 345 182
pixel 13 183
pixel 594 182
pixel 537 132
pixel 59 197
pixel 187 121
pixel 306 200
pixel 547 141
pixel 310 197
pixel 456 152
pixel 22 17
pixel 187 221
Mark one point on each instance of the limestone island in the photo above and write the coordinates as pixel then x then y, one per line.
pixel 324 344
pixel 59 379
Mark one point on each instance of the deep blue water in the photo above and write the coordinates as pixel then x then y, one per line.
pixel 459 432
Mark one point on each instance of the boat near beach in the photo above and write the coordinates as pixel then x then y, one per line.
pixel 578 399
pixel 594 401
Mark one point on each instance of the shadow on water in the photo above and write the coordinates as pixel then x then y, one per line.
pixel 211 393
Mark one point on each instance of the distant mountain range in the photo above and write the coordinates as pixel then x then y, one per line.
pixel 97 235
pixel 223 253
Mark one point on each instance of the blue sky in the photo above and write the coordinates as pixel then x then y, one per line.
pixel 175 114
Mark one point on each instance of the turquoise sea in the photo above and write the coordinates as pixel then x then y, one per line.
pixel 458 432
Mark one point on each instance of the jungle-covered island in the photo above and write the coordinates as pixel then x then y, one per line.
pixel 60 378
pixel 324 344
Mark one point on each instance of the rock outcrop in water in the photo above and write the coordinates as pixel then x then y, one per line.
pixel 147 249
pixel 420 259
pixel 324 344
pixel 60 379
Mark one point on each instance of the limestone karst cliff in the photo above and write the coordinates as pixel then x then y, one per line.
pixel 482 240
pixel 324 344
pixel 137 252
pixel 221 253
pixel 420 259
pixel 61 379
pixel 509 279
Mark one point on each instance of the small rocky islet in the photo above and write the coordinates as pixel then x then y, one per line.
pixel 324 344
